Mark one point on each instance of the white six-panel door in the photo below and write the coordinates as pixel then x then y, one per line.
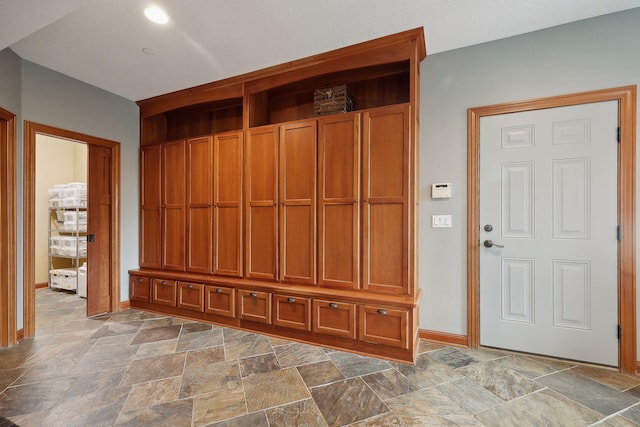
pixel 548 194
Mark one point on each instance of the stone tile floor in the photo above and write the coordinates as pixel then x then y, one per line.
pixel 139 369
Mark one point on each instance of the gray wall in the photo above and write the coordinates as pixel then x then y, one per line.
pixel 53 99
pixel 598 53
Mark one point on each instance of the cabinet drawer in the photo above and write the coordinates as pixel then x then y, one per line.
pixel 255 306
pixel 220 300
pixel 164 292
pixel 191 296
pixel 334 318
pixel 140 288
pixel 292 312
pixel 382 325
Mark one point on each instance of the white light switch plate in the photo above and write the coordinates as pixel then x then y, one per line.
pixel 441 221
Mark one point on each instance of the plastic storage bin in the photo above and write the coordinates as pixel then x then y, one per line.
pixel 82 281
pixel 63 278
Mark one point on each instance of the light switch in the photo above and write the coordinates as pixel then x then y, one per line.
pixel 441 221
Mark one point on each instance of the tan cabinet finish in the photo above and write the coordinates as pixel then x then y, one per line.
pixel 214 202
pixel 199 215
pixel 164 292
pixel 298 202
pixel 191 296
pixel 334 318
pixel 385 192
pixel 220 300
pixel 257 213
pixel 338 200
pixel 384 325
pixel 150 207
pixel 292 312
pixel 140 288
pixel 261 175
pixel 173 205
pixel 255 306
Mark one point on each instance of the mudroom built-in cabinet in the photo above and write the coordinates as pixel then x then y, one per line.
pixel 269 206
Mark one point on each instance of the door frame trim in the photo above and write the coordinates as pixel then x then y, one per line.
pixel 8 333
pixel 626 97
pixel 31 129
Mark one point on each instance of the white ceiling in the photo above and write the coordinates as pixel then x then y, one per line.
pixel 100 41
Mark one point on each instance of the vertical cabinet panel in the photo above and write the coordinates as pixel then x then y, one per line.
pixel 227 198
pixel 173 205
pixel 385 186
pixel 261 175
pixel 298 202
pixel 150 205
pixel 199 190
pixel 338 198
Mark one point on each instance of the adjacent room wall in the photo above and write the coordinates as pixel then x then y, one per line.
pixel 58 161
pixel 593 54
pixel 54 99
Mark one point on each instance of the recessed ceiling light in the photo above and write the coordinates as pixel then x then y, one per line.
pixel 157 15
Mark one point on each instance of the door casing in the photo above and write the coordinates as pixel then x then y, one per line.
pixel 30 131
pixel 626 97
pixel 7 228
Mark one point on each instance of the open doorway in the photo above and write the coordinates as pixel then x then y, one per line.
pixel 102 219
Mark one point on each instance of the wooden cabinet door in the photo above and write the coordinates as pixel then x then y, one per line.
pixel 386 326
pixel 150 207
pixel 173 205
pixel 227 197
pixel 191 296
pixel 140 288
pixel 292 312
pixel 255 306
pixel 164 292
pixel 220 300
pixel 298 202
pixel 385 186
pixel 334 318
pixel 199 218
pixel 261 175
pixel 338 200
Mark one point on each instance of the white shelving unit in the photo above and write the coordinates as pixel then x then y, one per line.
pixel 67 234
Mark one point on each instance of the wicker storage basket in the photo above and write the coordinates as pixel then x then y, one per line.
pixel 332 100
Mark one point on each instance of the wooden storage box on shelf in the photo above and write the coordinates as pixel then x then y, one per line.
pixel 332 100
pixel 383 325
pixel 220 300
pixel 164 292
pixel 140 288
pixel 334 318
pixel 255 306
pixel 191 296
pixel 292 312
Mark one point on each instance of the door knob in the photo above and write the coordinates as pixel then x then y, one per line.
pixel 490 244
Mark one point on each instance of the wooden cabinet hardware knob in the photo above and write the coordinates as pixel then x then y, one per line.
pixel 382 311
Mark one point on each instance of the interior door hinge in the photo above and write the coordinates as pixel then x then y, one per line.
pixel 619 332
pixel 619 233
pixel 619 137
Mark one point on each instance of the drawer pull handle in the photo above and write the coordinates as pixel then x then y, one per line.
pixel 382 311
pixel 139 279
pixel 190 286
pixel 253 295
pixel 292 300
pixel 164 283
pixel 218 290
pixel 333 305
